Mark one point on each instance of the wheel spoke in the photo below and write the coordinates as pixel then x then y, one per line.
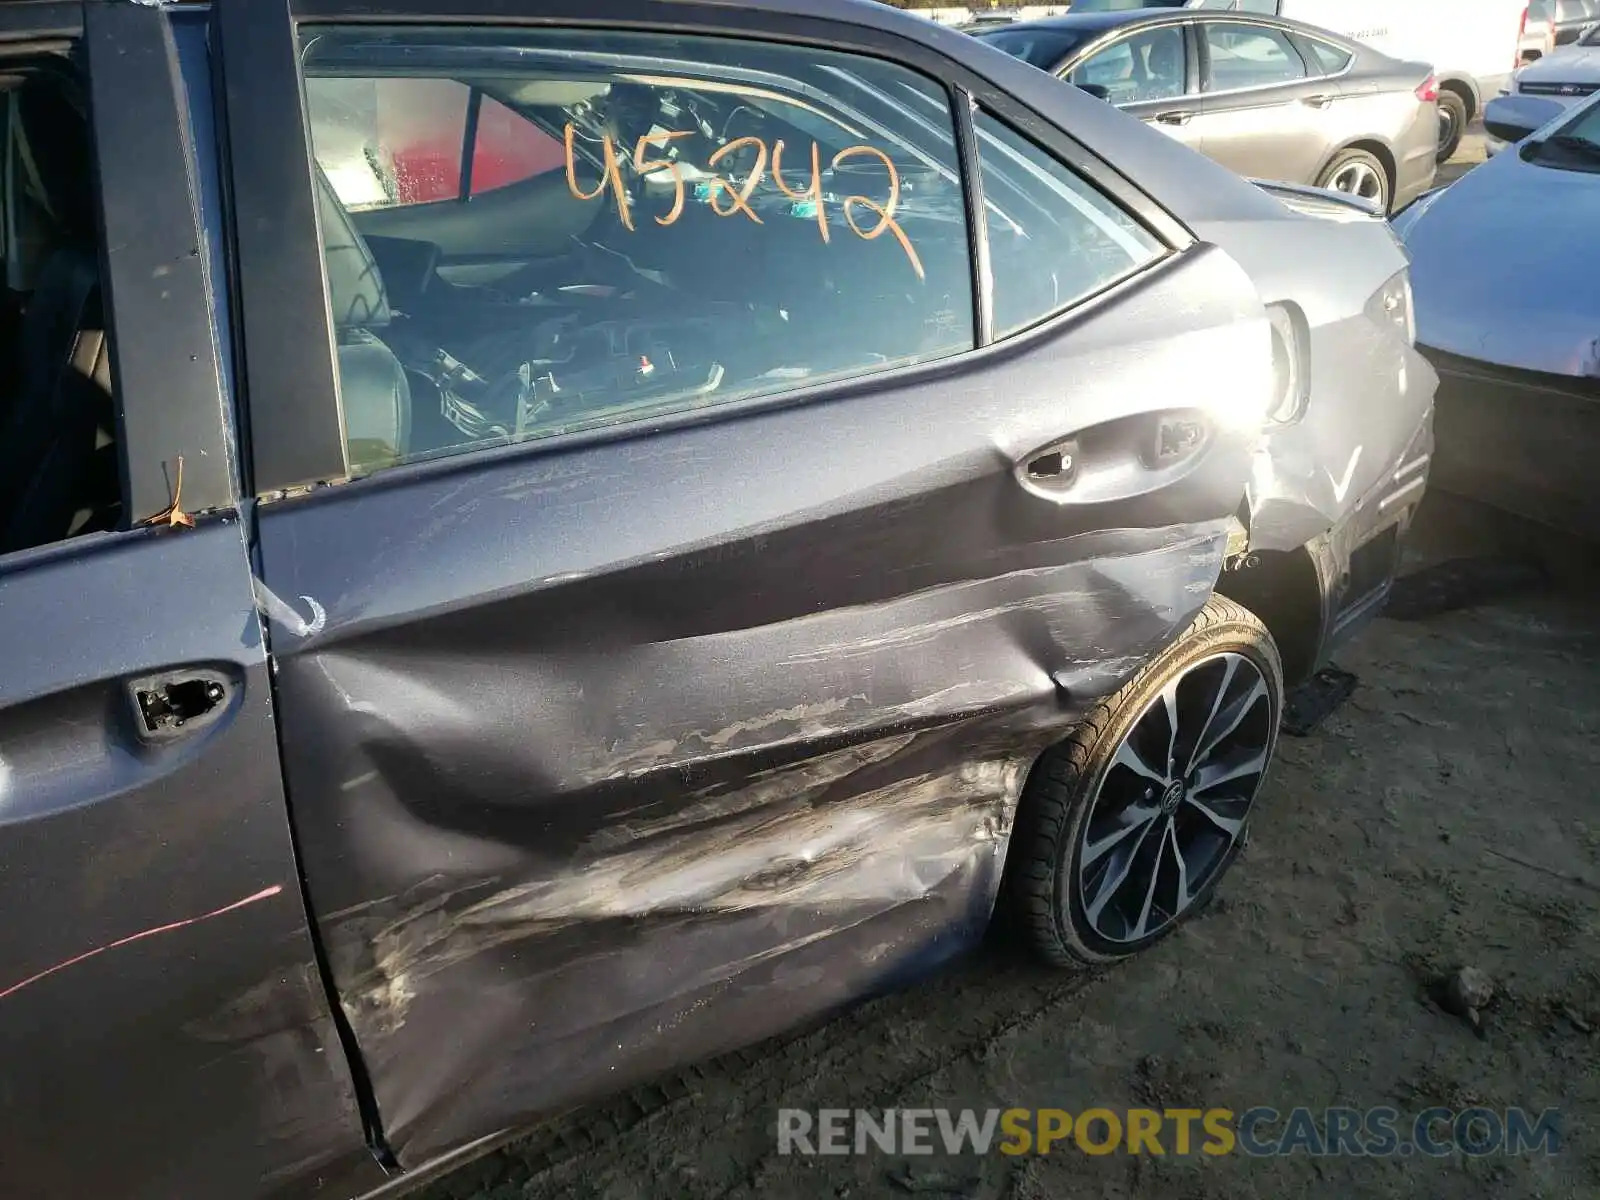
pixel 1217 774
pixel 1230 667
pixel 1169 701
pixel 1232 717
pixel 1184 899
pixel 1228 825
pixel 1127 756
pixel 1141 815
pixel 1155 878
pixel 1116 878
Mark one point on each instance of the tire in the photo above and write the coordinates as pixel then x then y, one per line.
pixel 1452 123
pixel 1077 787
pixel 1359 165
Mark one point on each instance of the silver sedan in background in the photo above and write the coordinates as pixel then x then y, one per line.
pixel 1267 97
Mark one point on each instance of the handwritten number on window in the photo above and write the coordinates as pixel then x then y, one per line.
pixel 610 177
pixel 812 194
pixel 741 198
pixel 655 166
pixel 884 212
pixel 726 200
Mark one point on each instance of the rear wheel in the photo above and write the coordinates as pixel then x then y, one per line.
pixel 1126 828
pixel 1452 123
pixel 1357 173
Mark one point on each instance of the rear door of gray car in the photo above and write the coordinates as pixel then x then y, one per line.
pixel 1265 111
pixel 617 738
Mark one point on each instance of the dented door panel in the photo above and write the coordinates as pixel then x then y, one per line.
pixel 610 757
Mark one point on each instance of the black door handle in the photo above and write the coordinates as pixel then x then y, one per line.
pixel 1175 117
pixel 178 704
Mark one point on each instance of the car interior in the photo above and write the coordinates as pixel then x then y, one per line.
pixel 59 461
pixel 558 302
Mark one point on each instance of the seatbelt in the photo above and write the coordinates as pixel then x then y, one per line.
pixel 20 154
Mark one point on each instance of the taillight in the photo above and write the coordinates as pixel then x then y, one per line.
pixel 1522 29
pixel 1428 90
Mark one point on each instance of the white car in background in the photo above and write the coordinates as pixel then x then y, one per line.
pixel 1567 75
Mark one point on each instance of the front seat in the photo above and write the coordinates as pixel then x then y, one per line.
pixel 59 470
pixel 373 389
pixel 1164 65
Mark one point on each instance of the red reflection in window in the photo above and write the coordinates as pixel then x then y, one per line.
pixel 510 149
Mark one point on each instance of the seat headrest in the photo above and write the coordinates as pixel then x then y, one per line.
pixel 355 285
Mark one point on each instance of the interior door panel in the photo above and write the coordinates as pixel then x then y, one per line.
pixel 615 755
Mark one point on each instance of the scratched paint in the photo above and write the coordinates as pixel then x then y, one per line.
pixel 170 927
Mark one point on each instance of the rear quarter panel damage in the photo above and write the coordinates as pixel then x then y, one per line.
pixel 1370 413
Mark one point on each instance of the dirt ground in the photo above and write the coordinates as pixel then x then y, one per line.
pixel 1447 814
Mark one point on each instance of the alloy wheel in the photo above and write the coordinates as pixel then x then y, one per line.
pixel 1358 179
pixel 1447 127
pixel 1172 805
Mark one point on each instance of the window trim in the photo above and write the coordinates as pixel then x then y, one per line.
pixel 280 250
pixel 165 346
pixel 469 143
pixel 1309 46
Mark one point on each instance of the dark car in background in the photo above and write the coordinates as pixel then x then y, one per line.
pixel 473 643
pixel 1266 97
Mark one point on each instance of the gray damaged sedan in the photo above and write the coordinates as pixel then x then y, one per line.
pixel 589 539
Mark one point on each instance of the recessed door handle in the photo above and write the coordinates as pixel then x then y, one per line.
pixel 176 705
pixel 1317 101
pixel 1054 469
pixel 1175 117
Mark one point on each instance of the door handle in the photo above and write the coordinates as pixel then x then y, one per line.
pixel 175 705
pixel 1117 459
pixel 1318 101
pixel 1055 468
pixel 1175 117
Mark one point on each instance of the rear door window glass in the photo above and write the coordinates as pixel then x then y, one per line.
pixel 1054 239
pixel 654 224
pixel 1330 58
pixel 1244 56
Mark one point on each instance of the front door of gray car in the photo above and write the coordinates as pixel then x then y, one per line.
pixel 691 599
pixel 162 1016
pixel 1265 114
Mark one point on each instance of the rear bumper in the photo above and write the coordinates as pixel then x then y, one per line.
pixel 1357 560
pixel 1416 158
pixel 1524 442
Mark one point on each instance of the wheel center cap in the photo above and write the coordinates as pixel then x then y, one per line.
pixel 1171 798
